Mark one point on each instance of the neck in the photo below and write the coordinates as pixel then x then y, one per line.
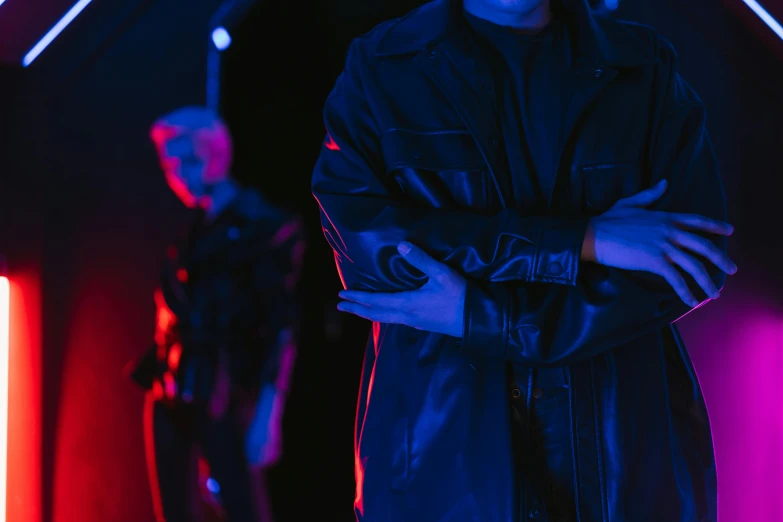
pixel 221 196
pixel 534 19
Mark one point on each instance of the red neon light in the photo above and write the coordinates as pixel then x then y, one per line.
pixel 5 320
pixel 23 451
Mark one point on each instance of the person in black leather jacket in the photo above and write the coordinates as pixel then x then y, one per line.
pixel 220 366
pixel 523 198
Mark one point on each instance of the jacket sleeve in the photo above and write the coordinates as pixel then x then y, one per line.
pixel 544 325
pixel 364 216
pixel 276 282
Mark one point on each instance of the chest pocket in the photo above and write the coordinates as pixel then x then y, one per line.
pixel 443 169
pixel 606 183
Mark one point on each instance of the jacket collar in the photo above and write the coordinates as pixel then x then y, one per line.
pixel 602 41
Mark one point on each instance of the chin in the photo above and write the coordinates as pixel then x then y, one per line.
pixel 517 6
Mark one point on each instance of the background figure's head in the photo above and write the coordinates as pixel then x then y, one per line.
pixel 195 151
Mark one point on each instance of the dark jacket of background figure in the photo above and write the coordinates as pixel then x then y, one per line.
pixel 228 290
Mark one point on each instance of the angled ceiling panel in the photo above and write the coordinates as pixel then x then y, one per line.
pixel 23 23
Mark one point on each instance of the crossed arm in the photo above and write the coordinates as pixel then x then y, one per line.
pixel 500 258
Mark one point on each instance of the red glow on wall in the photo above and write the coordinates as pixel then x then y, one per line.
pixel 98 454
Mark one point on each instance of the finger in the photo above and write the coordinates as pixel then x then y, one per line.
pixel 379 315
pixel 421 260
pixel 705 248
pixel 705 224
pixel 696 269
pixel 678 284
pixel 376 299
pixel 645 197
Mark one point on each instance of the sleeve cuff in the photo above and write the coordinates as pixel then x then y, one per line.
pixel 559 250
pixel 485 322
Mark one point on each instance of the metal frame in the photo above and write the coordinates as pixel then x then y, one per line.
pixel 227 16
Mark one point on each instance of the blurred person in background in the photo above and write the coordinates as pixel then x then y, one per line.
pixel 220 367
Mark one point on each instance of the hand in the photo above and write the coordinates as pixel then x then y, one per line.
pixel 263 440
pixel 435 307
pixel 630 237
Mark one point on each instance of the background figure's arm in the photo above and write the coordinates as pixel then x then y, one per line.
pixel 364 215
pixel 276 277
pixel 548 325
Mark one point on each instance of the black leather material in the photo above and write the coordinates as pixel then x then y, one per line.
pixel 229 289
pixel 433 429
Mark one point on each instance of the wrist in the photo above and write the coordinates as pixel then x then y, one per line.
pixel 588 244
pixel 486 313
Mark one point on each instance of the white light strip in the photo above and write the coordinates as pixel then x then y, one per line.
pixel 44 42
pixel 5 312
pixel 764 15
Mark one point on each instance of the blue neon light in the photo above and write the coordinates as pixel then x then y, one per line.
pixel 764 15
pixel 221 38
pixel 49 37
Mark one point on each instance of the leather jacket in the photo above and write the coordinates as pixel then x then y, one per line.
pixel 414 152
pixel 226 295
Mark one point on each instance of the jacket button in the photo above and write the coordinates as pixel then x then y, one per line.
pixel 516 393
pixel 554 268
pixel 599 73
pixel 532 514
pixel 433 53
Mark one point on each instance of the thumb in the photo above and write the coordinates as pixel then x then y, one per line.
pixel 645 197
pixel 420 259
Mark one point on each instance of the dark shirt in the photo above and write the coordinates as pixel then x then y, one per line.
pixel 529 71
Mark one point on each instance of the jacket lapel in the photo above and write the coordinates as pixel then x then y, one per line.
pixel 444 52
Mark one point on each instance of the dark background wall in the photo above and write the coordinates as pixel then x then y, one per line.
pixel 85 217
